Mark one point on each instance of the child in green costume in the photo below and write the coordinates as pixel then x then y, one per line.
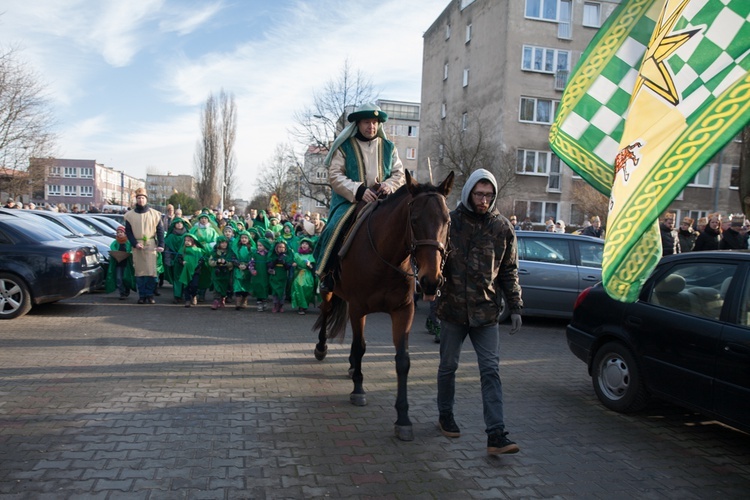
pixel 172 245
pixel 259 271
pixel 220 262
pixel 242 255
pixel 303 285
pixel 120 273
pixel 191 257
pixel 279 265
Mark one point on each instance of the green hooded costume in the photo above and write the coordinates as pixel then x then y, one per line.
pixel 242 255
pixel 220 262
pixel 303 285
pixel 259 269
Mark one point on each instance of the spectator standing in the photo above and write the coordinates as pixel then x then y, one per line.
pixel 735 237
pixel 670 243
pixel 595 229
pixel 710 237
pixel 482 266
pixel 146 235
pixel 687 235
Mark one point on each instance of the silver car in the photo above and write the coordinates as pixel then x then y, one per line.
pixel 553 269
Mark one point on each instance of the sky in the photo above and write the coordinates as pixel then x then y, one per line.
pixel 127 80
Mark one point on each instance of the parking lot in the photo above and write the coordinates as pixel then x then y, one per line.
pixel 107 399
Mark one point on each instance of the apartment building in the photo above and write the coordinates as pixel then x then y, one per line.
pixel 161 187
pixel 496 69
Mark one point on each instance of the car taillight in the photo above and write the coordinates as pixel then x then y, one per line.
pixel 581 297
pixel 72 256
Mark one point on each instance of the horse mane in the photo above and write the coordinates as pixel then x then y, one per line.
pixel 403 192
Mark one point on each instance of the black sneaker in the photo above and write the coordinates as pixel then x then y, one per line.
pixel 499 444
pixel 448 426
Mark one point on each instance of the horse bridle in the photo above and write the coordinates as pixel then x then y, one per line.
pixel 414 244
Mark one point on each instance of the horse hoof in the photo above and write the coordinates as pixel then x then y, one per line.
pixel 321 355
pixel 358 399
pixel 404 432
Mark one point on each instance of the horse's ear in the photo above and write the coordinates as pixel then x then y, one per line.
pixel 411 183
pixel 446 186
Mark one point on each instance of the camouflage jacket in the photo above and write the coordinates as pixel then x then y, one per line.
pixel 483 261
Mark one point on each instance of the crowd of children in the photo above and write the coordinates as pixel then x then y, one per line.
pixel 266 261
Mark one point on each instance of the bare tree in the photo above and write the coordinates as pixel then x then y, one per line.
pixel 279 177
pixel 207 154
pixel 466 144
pixel 227 135
pixel 744 179
pixel 589 202
pixel 25 125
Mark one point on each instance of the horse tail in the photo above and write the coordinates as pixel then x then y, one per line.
pixel 334 318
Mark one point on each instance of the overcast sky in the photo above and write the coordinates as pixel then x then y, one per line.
pixel 128 78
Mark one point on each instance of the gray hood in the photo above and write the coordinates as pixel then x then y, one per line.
pixel 476 176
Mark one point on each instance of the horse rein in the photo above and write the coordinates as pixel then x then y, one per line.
pixel 414 244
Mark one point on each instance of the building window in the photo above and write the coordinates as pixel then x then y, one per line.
pixel 443 111
pixel 441 151
pixel 705 177
pixel 592 14
pixel 537 211
pixel 734 180
pixel 445 72
pixel 413 131
pixel 466 3
pixel 70 191
pixel 447 31
pixel 531 162
pixel 545 10
pixel 87 191
pixel 87 173
pixel 321 174
pixel 70 172
pixel 565 20
pixel 555 179
pixel 464 121
pixel 535 110
pixel 466 77
pixel 319 204
pixel 53 190
pixel 468 33
pixel 54 171
pixel 544 60
pixel 411 153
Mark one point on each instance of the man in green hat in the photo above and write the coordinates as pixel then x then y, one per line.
pixel 362 165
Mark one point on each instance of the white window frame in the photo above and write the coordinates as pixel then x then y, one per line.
pixel 69 190
pixel 87 191
pixel 447 31
pixel 70 172
pixel 443 111
pixel 53 190
pixel 321 174
pixel 413 131
pixel 550 59
pixel 466 77
pixel 411 153
pixel 468 33
pixel 536 101
pixel 319 204
pixel 466 3
pixel 554 180
pixel 540 5
pixel 588 17
pixel 445 72
pixel 704 178
pixel 522 214
pixel 532 162
pixel 734 178
pixel 54 172
pixel 86 173
pixel 464 121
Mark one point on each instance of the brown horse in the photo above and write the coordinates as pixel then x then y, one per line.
pixel 406 231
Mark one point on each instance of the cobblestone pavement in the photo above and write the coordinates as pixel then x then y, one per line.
pixel 107 399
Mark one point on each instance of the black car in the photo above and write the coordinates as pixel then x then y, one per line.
pixel 686 339
pixel 37 266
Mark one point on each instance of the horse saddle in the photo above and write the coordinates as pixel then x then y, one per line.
pixel 360 216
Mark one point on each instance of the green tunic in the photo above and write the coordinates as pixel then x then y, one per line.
pixel 191 257
pixel 221 270
pixel 259 281
pixel 278 272
pixel 242 256
pixel 303 285
pixel 128 277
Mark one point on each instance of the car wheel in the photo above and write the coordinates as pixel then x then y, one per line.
pixel 617 379
pixel 15 300
pixel 504 309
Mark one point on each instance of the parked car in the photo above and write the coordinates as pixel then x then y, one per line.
pixel 96 224
pixel 120 218
pixel 553 269
pixel 38 266
pixel 686 339
pixel 109 221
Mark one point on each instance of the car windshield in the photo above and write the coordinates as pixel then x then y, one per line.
pixel 81 227
pixel 93 225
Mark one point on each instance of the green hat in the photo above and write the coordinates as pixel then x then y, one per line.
pixel 368 110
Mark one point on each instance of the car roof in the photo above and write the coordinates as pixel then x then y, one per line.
pixel 567 236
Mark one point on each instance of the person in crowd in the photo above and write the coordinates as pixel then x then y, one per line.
pixel 559 227
pixel 10 203
pixel 259 271
pixel 527 225
pixel 735 237
pixel 191 258
pixel 146 235
pixel 279 264
pixel 168 216
pixel 220 262
pixel 120 272
pixel 670 243
pixel 595 228
pixel 514 221
pixel 687 235
pixel 303 284
pixel 172 265
pixel 242 279
pixel 701 224
pixel 362 165
pixel 206 233
pixel 481 269
pixel 710 237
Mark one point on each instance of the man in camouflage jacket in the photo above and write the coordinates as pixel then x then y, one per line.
pixel 482 263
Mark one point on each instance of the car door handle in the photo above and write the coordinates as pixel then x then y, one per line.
pixel 524 272
pixel 595 279
pixel 737 349
pixel 634 321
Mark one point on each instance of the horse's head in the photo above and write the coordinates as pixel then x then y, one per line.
pixel 430 227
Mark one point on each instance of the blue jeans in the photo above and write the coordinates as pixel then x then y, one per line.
pixel 146 286
pixel 486 342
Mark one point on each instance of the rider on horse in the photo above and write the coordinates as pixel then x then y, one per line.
pixel 362 165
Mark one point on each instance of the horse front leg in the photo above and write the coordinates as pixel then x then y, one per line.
pixel 358 396
pixel 401 326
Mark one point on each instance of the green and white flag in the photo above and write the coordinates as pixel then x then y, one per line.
pixel 663 86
